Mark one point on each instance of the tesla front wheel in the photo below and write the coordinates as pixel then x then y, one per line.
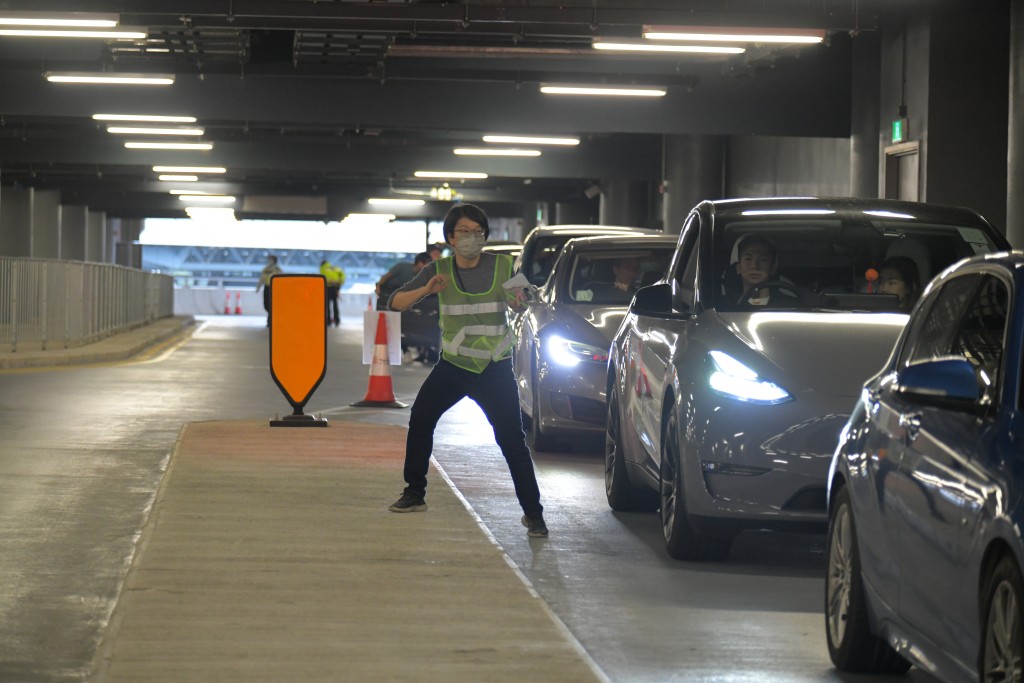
pixel 622 495
pixel 851 645
pixel 682 540
pixel 1003 639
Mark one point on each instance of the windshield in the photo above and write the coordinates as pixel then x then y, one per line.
pixel 803 263
pixel 612 277
pixel 541 259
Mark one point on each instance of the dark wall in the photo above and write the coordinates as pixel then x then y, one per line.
pixel 784 166
pixel 967 105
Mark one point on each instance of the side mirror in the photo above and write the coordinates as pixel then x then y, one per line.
pixel 943 381
pixel 652 300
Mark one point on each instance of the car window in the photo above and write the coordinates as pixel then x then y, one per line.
pixel 838 261
pixel 968 320
pixel 685 273
pixel 612 276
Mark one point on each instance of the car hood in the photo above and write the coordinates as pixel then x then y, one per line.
pixel 587 320
pixel 831 353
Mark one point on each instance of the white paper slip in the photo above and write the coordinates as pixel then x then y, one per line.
pixel 519 280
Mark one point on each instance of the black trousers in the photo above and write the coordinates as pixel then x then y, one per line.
pixel 333 315
pixel 495 391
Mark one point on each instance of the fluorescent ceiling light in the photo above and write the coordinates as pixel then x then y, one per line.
pixel 189 169
pixel 654 47
pixel 139 130
pixel 386 201
pixel 208 198
pixel 152 118
pixel 530 140
pixel 81 19
pixel 116 34
pixel 169 145
pixel 450 174
pixel 621 91
pixel 192 192
pixel 76 77
pixel 179 179
pixel 495 152
pixel 734 34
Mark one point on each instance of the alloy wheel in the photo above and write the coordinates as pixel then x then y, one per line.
pixel 840 570
pixel 1002 648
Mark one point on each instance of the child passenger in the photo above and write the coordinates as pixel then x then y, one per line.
pixel 898 275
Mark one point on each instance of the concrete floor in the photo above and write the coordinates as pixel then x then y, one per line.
pixel 88 458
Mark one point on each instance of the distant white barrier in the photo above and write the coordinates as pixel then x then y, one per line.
pixel 233 301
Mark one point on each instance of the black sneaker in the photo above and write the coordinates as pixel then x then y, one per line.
pixel 408 503
pixel 535 527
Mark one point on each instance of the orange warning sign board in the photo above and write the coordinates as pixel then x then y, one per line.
pixel 298 335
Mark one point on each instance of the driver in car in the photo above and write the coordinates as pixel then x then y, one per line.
pixel 758 265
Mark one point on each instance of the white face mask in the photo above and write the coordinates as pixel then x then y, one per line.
pixel 469 246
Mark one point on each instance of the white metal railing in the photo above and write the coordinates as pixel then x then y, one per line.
pixel 50 304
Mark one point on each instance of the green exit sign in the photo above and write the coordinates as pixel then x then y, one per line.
pixel 899 130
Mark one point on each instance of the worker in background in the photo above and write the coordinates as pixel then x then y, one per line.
pixel 335 278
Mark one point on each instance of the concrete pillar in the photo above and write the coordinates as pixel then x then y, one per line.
pixel 864 115
pixel 46 224
pixel 95 237
pixel 1015 146
pixel 694 171
pixel 531 211
pixel 15 222
pixel 73 223
pixel 624 202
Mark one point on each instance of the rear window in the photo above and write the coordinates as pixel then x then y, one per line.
pixel 612 277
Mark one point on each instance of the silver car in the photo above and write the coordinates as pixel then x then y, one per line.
pixel 543 244
pixel 730 381
pixel 563 338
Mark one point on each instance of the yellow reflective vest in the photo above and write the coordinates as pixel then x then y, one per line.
pixel 474 327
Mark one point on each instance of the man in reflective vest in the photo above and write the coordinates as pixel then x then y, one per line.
pixel 335 278
pixel 476 360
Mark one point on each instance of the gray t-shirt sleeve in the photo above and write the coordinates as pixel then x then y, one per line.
pixel 419 280
pixel 472 280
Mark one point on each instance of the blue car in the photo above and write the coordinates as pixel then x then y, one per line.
pixel 925 490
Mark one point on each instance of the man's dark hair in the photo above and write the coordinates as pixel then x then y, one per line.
pixel 423 257
pixel 754 238
pixel 470 211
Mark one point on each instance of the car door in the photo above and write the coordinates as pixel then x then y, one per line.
pixel 653 343
pixel 941 483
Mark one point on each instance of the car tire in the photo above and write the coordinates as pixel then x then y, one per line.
pixel 682 540
pixel 541 441
pixel 622 495
pixel 851 645
pixel 1003 636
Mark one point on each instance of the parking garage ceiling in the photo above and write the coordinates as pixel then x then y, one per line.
pixel 314 105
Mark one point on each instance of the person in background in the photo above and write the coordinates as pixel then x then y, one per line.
pixel 435 251
pixel 476 360
pixel 898 275
pixel 268 272
pixel 400 273
pixel 335 278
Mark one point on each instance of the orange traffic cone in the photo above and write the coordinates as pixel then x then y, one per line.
pixel 227 303
pixel 380 393
pixel 238 303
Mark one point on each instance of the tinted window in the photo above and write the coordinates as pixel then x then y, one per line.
pixel 826 255
pixel 612 277
pixel 968 320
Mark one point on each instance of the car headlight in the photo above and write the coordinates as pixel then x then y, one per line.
pixel 569 353
pixel 733 379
